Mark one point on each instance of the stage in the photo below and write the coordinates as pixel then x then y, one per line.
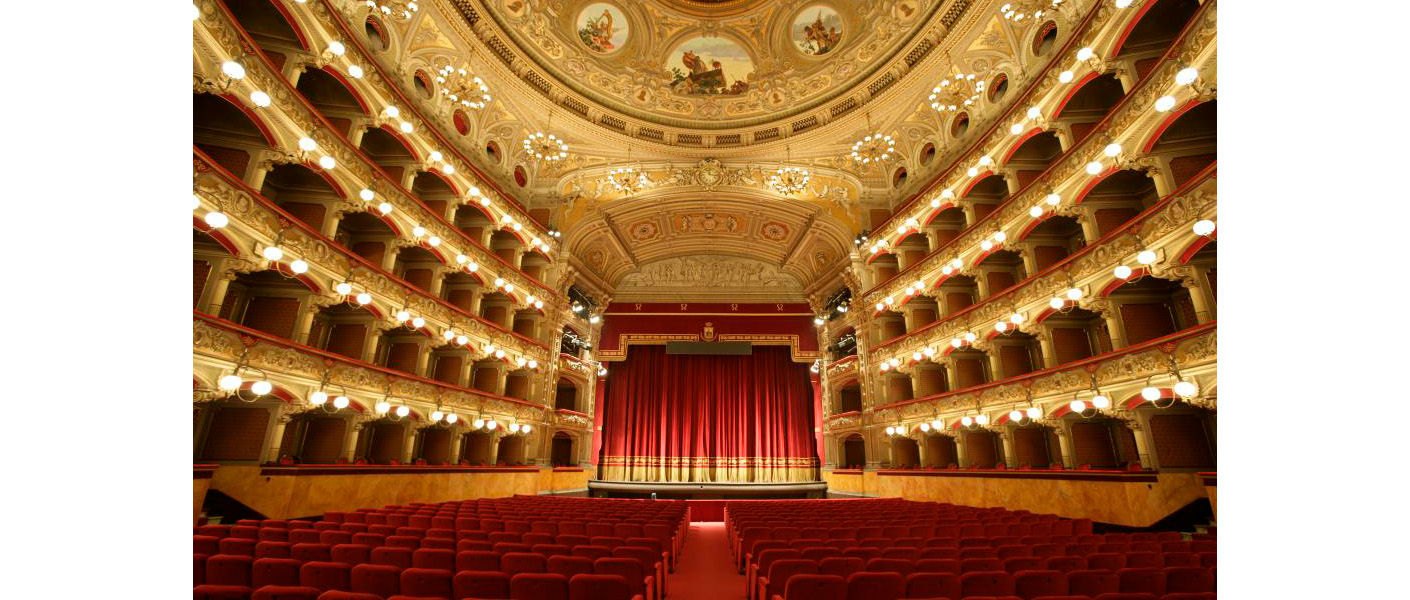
pixel 705 491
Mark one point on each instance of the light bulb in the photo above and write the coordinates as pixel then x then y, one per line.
pixel 260 98
pixel 1034 113
pixel 299 267
pixel 318 398
pixel 525 429
pixel 1112 149
pixel 970 336
pixel 1202 227
pixel 1186 76
pixel 885 366
pixel 232 69
pixel 216 219
pixel 509 287
pixel 890 300
pixel 1164 103
pixel 435 156
pixel 1094 167
pixel 934 203
pixel 1101 402
pixel 1065 76
pixel 402 411
pixel 403 316
pixel 890 430
pixel 491 424
pixel 972 172
pixel 418 322
pixel 1150 393
pixel 1035 412
pixel 355 71
pixel 384 208
pixel 382 407
pixel 1015 415
pixel 1146 257
pixel 393 112
pixel 986 245
pixel 521 361
pixel 1035 211
pixel 261 387
pixel 966 420
pixel 366 195
pixel 1016 318
pixel 327 162
pixel 406 127
pixel 929 352
pixel 229 382
pixel 925 427
pixel 1122 272
pixel 1016 128
pixel 1001 326
pixel 529 299
pixel 462 339
pixel 985 161
pixel 937 424
pixel 477 423
pixel 956 342
pixel 499 353
pixel 533 364
pixel 915 356
pixel 1000 236
pixel 1052 199
pixel 272 253
pixel 499 282
pixel 1085 53
pixel 364 298
pixel 818 321
pixel 1123 3
pixel 437 415
pixel 452 418
pixel 418 231
pixel 1057 303
pixel 340 402
pixel 1074 293
pixel 434 241
pixel 1077 406
pixel 1186 389
pixel 337 48
pixel 343 289
pixel 448 334
pixel 448 169
pixel 538 304
pixel 472 266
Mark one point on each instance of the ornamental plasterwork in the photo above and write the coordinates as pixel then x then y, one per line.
pixel 831 187
pixel 708 272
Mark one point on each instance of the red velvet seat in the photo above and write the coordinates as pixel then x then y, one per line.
pixel 538 586
pixel 986 583
pixel 514 563
pixel 507 547
pixel 326 575
pixel 1066 564
pixel 591 551
pixel 568 566
pixel 551 550
pixel 273 550
pixel 586 586
pixel 285 592
pixel 814 587
pixel 433 558
pixel 967 553
pixel 894 565
pixel 480 584
pixel 1023 563
pixel 341 595
pixel 842 566
pixel 1109 561
pixel 237 546
pixel 975 565
pixel 940 552
pixel 1189 596
pixel 1144 560
pixel 269 534
pixel 532 538
pixel 426 582
pixel 937 565
pixel 438 544
pixel 1092 582
pixel 1188 580
pixel 1180 559
pixel 274 571
pixel 228 570
pixel 774 581
pixel 464 544
pixel 403 541
pixel 351 554
pixel 761 562
pixel 215 531
pixel 222 592
pixel 865 585
pixel 383 580
pixel 249 532
pixel 205 544
pixel 334 537
pixel 1127 596
pixel 388 555
pixel 1032 584
pixel 933 585
pixel 641 581
pixel 1141 580
pixel 311 552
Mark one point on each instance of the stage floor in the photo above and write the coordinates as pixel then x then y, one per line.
pixel 705 491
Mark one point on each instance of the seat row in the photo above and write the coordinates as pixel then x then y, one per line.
pixel 464 585
pixel 795 580
pixel 384 581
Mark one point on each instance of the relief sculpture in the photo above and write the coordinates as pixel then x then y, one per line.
pixel 708 272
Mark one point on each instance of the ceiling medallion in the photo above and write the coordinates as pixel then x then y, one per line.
pixel 873 149
pixel 1022 9
pixel 400 10
pixel 789 180
pixel 462 87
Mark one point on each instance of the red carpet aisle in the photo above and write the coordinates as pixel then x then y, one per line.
pixel 704 571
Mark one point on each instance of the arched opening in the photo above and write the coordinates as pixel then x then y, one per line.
pixel 986 195
pixel 521 177
pixel 526 323
pixel 331 98
pixel 207 254
pixel 1053 240
pixel 929 378
pixel 565 395
pixel 1190 142
pixel 905 453
pixel 434 192
pixel 898 387
pixel 433 445
pixel 233 431
pixel 301 192
pixel 844 345
pixel 342 329
pixel 492 151
pixel 884 267
pixel 1077 334
pixel 265 301
pixel 372 31
pixel 314 438
pixel 461 122
pixel 890 325
pixel 1035 446
pixel 474 223
pixel 1031 158
pixel 511 451
pixel 1019 353
pixel 383 442
pixel 854 452
pixel 1045 38
pixel 982 449
pixel 849 397
pixel 366 235
pixel 923 311
pixel 1001 269
pixel 1152 307
pixel 497 307
pixel 517 384
pixel 1118 199
pixel 927 154
pixel 911 250
pixel 388 152
pixel 507 246
pixel 562 453
pixel 534 265
pixel 268 27
pixel 959 125
pixel 971 367
pixel 419 267
pixel 940 452
pixel 488 375
pixel 225 133
pixel 1183 436
pixel 1102 443
pixel 462 290
pixel 957 292
pixel 998 87
pixel 1090 104
pixel 448 364
pixel 946 225
pixel 1150 37
pixel 400 349
pixel 476 448
pixel 898 178
pixel 421 82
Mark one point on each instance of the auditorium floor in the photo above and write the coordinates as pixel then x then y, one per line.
pixel 704 571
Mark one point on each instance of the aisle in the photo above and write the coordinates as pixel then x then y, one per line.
pixel 704 571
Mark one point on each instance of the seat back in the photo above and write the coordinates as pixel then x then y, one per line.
pixel 986 583
pixel 514 563
pixel 628 568
pixel 893 565
pixel 1066 564
pixel 285 592
pixel 586 586
pixel 325 575
pixel 842 566
pixel 274 571
pixel 273 550
pixel 865 585
pixel 1031 584
pixel 813 586
pixel 228 569
pixel 480 584
pixel 1092 582
pixel 591 551
pixel 426 582
pixel 388 555
pixel 933 585
pixel 1141 580
pixel 433 558
pixel 781 570
pixel 568 566
pixel 538 586
pixel 383 580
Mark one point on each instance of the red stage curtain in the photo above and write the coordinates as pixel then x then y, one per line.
pixel 670 417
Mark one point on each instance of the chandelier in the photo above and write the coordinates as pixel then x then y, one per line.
pixel 398 9
pixel 955 92
pixel 789 180
pixel 459 86
pixel 546 147
pixel 1022 9
pixel 627 180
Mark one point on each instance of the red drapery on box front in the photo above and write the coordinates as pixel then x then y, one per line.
pixel 709 418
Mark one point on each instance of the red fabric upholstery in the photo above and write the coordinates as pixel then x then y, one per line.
pixel 865 585
pixel 222 592
pixel 568 566
pixel 397 557
pixel 325 575
pixel 780 572
pixel 1032 584
pixel 383 580
pixel 586 586
pixel 538 586
pixel 228 569
pixel 481 584
pixel 273 550
pixel 426 582
pixel 842 566
pixel 1092 582
pixel 237 546
pixel 933 585
pixel 205 544
pixel 514 563
pixel 629 569
pixel 285 592
pixel 1188 579
pixel 814 587
pixel 312 552
pixel 986 583
pixel 1066 564
pixel 341 595
pixel 432 558
pixel 1145 580
pixel 476 560
pixel 274 571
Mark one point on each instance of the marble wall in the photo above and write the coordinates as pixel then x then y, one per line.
pixel 1135 501
pixel 289 496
